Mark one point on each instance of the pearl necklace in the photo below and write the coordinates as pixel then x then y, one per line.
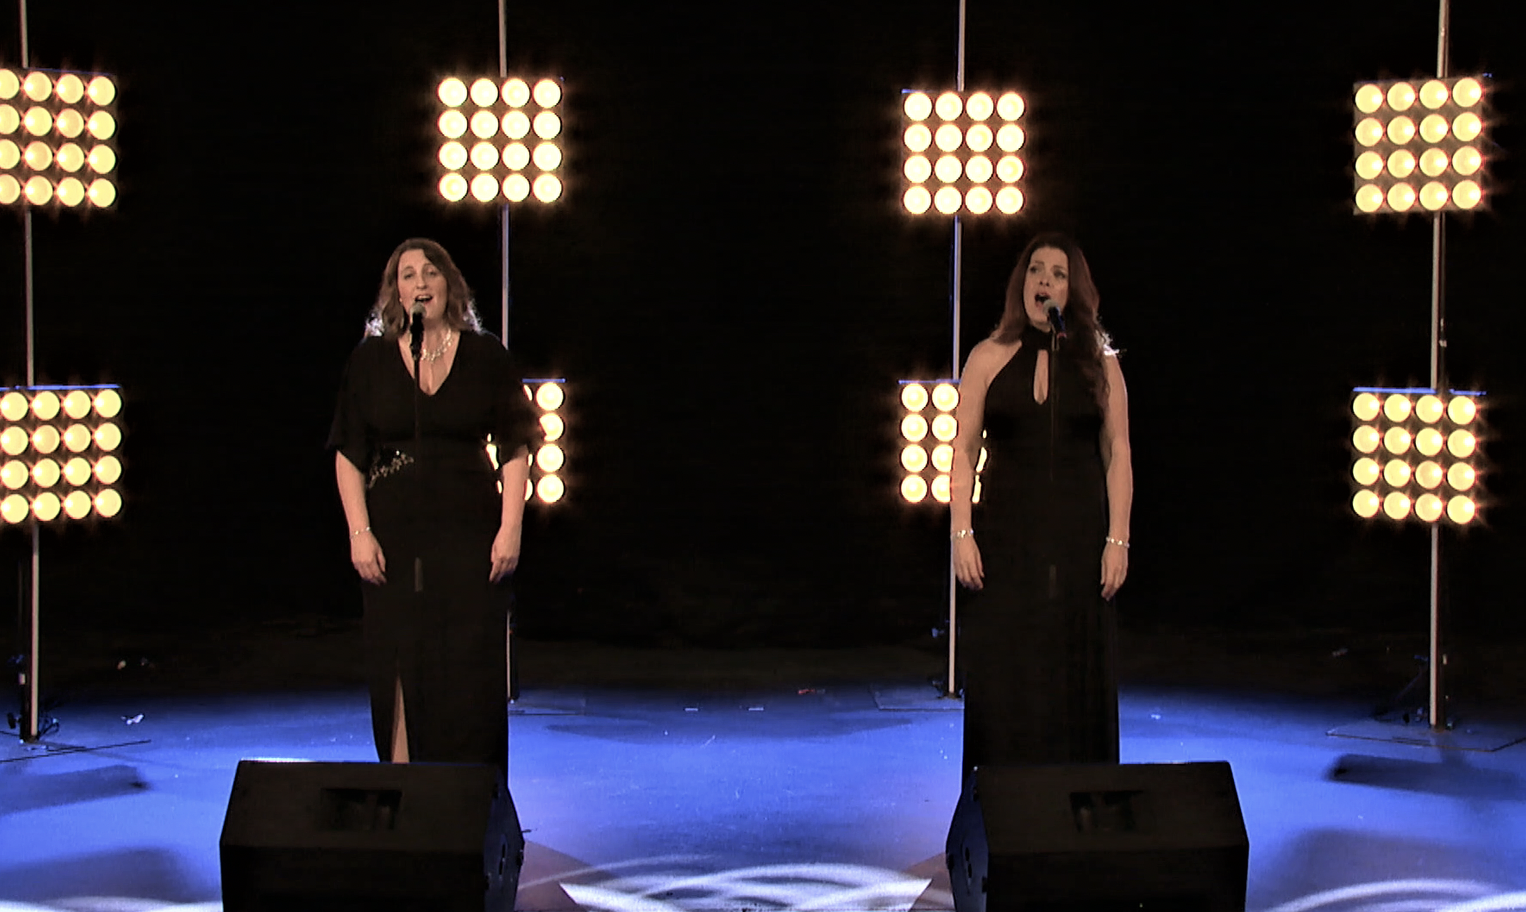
pixel 433 356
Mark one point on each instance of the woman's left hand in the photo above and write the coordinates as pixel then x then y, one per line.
pixel 1115 567
pixel 505 553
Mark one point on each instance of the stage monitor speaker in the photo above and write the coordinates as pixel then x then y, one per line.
pixel 1099 837
pixel 378 837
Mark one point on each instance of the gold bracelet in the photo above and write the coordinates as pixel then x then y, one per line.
pixel 1117 541
pixel 359 532
pixel 962 533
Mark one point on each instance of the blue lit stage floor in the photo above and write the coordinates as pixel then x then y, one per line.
pixel 820 789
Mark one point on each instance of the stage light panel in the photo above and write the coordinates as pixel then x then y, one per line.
pixel 1416 148
pixel 960 178
pixel 58 444
pixel 547 483
pixel 1415 452
pixel 495 119
pixel 51 127
pixel 927 411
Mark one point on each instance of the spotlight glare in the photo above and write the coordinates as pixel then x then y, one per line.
pixel 516 125
pixel 10 190
pixel 1397 440
pixel 1401 95
pixel 945 427
pixel 918 169
pixel 1434 195
pixel 1467 194
pixel 1365 504
pixel 1429 507
pixel 484 157
pixel 942 489
pixel 552 427
pixel 949 105
pixel 516 156
pixel 1365 406
pixel 1009 200
pixel 69 89
pixel 948 169
pixel 46 506
pixel 548 92
pixel 77 471
pixel 1369 132
pixel 1467 126
pixel 949 137
pixel 37 86
pixel 1010 138
pixel 1433 162
pixel 945 397
pixel 452 92
pixel 1366 439
pixel 1433 94
pixel 1467 161
pixel 1366 471
pixel 916 200
pixel 979 137
pixel 452 124
pixel 978 200
pixel 1009 169
pixel 918 137
pixel 547 125
pixel 484 125
pixel 453 156
pixel 943 458
pixel 913 489
pixel 1396 505
pixel 14 474
pixel 101 125
pixel 108 503
pixel 453 187
pixel 1462 410
pixel 77 505
pixel 107 403
pixel 38 121
pixel 1429 475
pixel 548 188
pixel 1369 165
pixel 914 397
pixel 45 405
pixel 1429 409
pixel 516 92
pixel 948 200
pixel 1461 444
pixel 549 396
pixel 516 188
pixel 1369 98
pixel 1461 476
pixel 979 169
pixel 913 458
pixel 1433 129
pixel 1401 197
pixel 550 458
pixel 102 90
pixel 1397 473
pixel 484 188
pixel 914 428
pixel 550 489
pixel 1468 92
pixel 1369 198
pixel 108 437
pixel 980 106
pixel 70 123
pixel 108 470
pixel 1401 130
pixel 548 156
pixel 71 192
pixel 1429 441
pixel 1401 163
pixel 1010 106
pixel 102 193
pixel 918 106
pixel 1461 510
pixel 102 160
pixel 13 406
pixel 484 93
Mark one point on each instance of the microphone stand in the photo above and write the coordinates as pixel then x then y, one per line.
pixel 416 347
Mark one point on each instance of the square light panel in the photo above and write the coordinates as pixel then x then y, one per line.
pixel 1416 454
pixel 57 139
pixel 59 449
pixel 1420 144
pixel 926 434
pixel 500 140
pixel 961 152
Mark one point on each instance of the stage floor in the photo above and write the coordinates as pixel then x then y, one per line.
pixel 824 784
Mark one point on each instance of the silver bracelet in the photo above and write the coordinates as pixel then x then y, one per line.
pixel 962 533
pixel 359 532
pixel 1117 541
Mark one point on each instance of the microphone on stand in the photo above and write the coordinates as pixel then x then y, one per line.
pixel 416 330
pixel 1056 319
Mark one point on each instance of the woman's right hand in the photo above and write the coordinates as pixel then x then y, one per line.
pixel 967 566
pixel 366 555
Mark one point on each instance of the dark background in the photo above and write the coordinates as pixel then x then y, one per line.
pixel 732 293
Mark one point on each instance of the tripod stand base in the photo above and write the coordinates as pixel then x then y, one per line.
pixel 1473 736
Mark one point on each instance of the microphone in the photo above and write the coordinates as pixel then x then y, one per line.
pixel 1056 320
pixel 416 329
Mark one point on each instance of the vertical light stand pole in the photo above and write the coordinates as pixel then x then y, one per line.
pixel 954 306
pixel 1437 708
pixel 29 714
pixel 503 265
